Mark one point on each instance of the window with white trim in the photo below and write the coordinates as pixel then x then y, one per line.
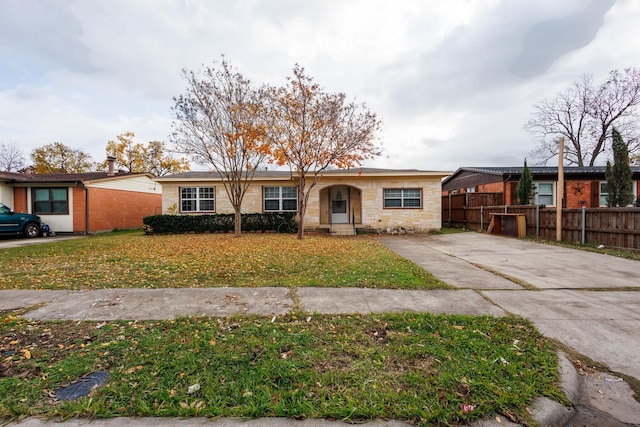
pixel 198 199
pixel 280 199
pixel 402 198
pixel 604 192
pixel 545 193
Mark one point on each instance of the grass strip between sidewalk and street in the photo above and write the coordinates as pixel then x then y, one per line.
pixel 424 368
pixel 135 260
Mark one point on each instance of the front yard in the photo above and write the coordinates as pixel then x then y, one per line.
pixel 424 368
pixel 134 260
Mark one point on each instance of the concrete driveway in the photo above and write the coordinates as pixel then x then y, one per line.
pixel 15 242
pixel 588 301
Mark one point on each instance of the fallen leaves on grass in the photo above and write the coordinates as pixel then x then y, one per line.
pixel 211 260
pixel 410 366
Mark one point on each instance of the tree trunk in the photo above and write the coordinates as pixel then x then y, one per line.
pixel 301 213
pixel 302 203
pixel 237 222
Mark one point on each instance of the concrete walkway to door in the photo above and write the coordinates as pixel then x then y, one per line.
pixel 588 301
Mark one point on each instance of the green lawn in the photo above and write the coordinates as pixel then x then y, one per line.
pixel 135 260
pixel 427 369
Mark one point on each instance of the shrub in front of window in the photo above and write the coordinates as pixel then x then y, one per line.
pixel 283 222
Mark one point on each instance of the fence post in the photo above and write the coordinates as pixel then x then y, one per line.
pixel 584 224
pixel 537 221
pixel 482 218
pixel 505 209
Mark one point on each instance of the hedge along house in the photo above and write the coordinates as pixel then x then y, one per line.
pixel 343 201
pixel 583 186
pixel 83 203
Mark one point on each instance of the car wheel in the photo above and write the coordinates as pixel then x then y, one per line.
pixel 32 230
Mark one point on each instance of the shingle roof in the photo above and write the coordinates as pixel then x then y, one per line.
pixel 541 169
pixel 493 173
pixel 60 177
pixel 285 174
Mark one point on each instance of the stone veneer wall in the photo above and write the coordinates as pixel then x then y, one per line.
pixel 374 216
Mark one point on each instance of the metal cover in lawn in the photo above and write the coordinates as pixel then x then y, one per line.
pixel 82 386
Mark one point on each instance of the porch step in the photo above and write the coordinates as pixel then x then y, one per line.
pixel 342 230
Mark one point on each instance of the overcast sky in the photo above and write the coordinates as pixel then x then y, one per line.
pixel 452 81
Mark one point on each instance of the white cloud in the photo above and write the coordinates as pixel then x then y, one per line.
pixel 453 81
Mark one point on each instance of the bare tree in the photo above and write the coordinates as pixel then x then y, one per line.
pixel 312 130
pixel 11 157
pixel 585 115
pixel 218 122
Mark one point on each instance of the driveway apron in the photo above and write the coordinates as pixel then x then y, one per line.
pixel 588 301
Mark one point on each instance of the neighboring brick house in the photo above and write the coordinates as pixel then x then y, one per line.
pixel 85 202
pixel 370 199
pixel 583 186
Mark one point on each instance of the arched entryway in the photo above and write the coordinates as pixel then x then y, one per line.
pixel 340 204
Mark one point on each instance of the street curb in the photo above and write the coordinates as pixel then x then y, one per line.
pixel 548 412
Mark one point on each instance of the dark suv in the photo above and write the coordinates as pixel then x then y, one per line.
pixel 19 223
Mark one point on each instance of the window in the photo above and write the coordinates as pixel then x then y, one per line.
pixel 50 201
pixel 280 199
pixel 604 192
pixel 198 199
pixel 545 193
pixel 403 198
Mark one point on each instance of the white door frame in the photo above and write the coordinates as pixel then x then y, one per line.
pixel 339 204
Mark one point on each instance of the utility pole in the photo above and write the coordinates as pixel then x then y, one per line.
pixel 560 190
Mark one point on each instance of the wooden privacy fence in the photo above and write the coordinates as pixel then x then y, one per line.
pixel 454 206
pixel 611 227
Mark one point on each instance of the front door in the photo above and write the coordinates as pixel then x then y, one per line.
pixel 339 198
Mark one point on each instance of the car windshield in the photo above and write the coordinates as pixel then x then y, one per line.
pixel 4 209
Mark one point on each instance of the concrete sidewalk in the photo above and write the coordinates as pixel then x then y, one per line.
pixel 15 242
pixel 157 304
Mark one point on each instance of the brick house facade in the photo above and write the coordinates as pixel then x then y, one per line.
pixel 83 203
pixel 583 186
pixel 373 199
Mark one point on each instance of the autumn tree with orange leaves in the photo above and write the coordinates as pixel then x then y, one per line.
pixel 311 130
pixel 219 122
pixel 138 157
pixel 59 158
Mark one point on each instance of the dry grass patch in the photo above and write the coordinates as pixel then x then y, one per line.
pixel 134 260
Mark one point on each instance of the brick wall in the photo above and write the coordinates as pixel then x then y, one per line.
pixel 578 193
pixel 20 200
pixel 114 209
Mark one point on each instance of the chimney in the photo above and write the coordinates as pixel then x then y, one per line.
pixel 111 162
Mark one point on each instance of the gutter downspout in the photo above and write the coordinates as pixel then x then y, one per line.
pixel 80 184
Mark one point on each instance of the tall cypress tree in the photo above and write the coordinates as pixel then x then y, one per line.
pixel 524 189
pixel 618 174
